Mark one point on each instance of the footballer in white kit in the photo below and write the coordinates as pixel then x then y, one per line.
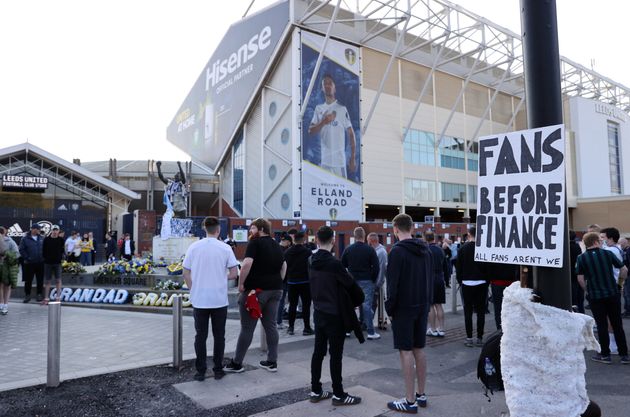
pixel 331 120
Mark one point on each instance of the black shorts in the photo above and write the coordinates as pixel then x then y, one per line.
pixel 410 331
pixel 439 292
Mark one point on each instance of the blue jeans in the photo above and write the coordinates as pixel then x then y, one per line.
pixel 86 258
pixel 368 313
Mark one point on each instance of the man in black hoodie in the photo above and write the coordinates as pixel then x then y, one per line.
pixel 409 296
pixel 298 286
pixel 328 279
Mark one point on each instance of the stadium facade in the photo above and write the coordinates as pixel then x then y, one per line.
pixel 419 85
pixel 310 110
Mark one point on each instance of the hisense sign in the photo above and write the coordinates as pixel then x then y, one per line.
pixel 246 52
pixel 208 118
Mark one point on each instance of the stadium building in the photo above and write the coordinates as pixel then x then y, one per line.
pixel 310 110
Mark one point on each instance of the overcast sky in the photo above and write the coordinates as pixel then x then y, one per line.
pixel 102 79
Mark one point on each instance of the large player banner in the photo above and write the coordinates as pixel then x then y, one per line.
pixel 331 131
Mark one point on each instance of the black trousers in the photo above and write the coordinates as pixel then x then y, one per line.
pixel 577 296
pixel 606 309
pixel 30 270
pixel 218 317
pixel 475 297
pixel 303 292
pixel 497 301
pixel 329 335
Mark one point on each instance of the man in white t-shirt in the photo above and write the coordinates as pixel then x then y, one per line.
pixel 72 243
pixel 208 265
pixel 332 121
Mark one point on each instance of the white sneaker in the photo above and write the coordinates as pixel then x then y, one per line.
pixel 440 333
pixel 374 336
pixel 613 345
pixel 431 332
pixel 4 309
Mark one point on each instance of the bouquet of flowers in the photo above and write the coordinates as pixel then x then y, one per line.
pixel 137 266
pixel 74 268
pixel 176 268
pixel 168 285
pixel 160 263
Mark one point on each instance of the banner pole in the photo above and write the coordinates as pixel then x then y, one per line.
pixel 541 58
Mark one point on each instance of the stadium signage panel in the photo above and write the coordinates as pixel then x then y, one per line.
pixel 610 111
pixel 331 131
pixel 24 183
pixel 521 197
pixel 208 117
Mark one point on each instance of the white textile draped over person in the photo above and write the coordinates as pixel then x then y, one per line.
pixel 542 356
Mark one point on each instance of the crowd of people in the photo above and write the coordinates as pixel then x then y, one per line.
pixel 409 282
pixel 412 279
pixel 309 273
pixel 40 257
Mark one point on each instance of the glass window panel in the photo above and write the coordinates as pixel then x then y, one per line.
pixel 238 173
pixel 614 158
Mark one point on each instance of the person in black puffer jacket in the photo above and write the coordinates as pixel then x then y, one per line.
pixel 331 288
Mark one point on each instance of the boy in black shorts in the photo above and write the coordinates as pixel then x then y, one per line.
pixel 409 296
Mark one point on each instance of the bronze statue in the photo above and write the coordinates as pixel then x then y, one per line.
pixel 175 193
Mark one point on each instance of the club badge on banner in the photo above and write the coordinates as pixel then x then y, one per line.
pixel 331 131
pixel 521 197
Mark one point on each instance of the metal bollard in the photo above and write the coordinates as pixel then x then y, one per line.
pixel 54 344
pixel 263 338
pixel 453 293
pixel 177 332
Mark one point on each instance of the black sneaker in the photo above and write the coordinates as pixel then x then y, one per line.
pixel 421 400
pixel 346 399
pixel 601 358
pixel 625 360
pixel 27 299
pixel 234 367
pixel 200 376
pixel 315 398
pixel 39 298
pixel 290 331
pixel 308 332
pixel 270 366
pixel 219 374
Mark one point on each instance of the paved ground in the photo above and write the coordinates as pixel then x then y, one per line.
pixel 93 341
pixel 103 341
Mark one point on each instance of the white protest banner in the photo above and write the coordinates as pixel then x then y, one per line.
pixel 521 197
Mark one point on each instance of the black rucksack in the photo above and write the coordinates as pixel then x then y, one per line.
pixel 489 364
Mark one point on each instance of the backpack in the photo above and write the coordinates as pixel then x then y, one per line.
pixel 489 364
